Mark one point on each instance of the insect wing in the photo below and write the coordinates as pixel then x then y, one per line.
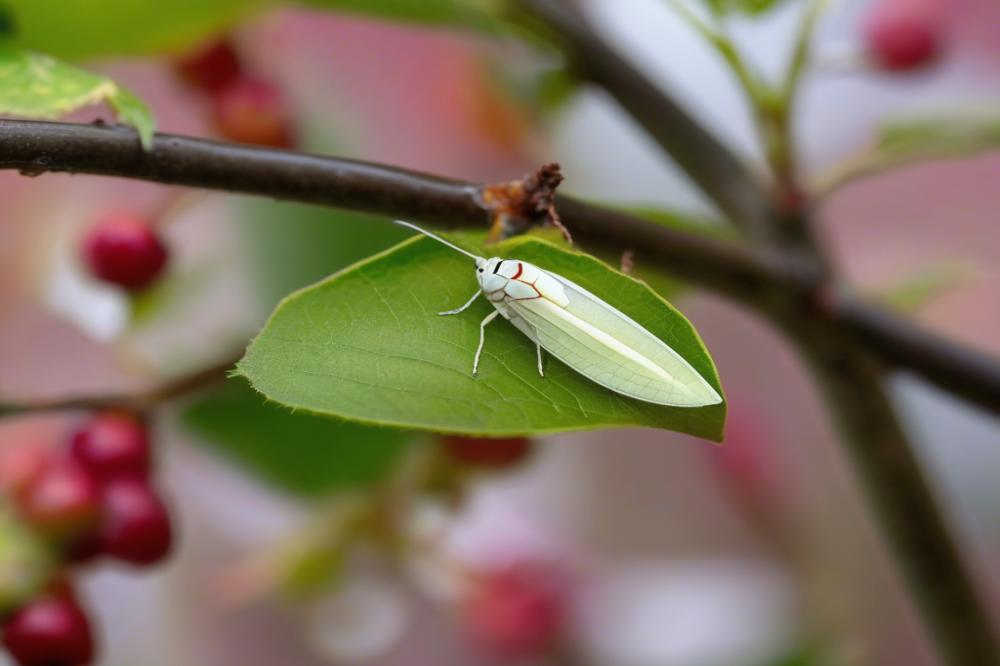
pixel 611 349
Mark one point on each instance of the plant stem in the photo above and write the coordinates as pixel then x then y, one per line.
pixel 760 278
pixel 175 388
pixel 843 361
pixel 916 532
pixel 715 170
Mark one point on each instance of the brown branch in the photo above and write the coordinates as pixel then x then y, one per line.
pixel 904 346
pixel 712 167
pixel 37 147
pixel 132 401
pixel 839 336
pixel 761 278
pixel 905 507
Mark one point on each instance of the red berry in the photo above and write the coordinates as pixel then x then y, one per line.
pixel 62 501
pixel 20 464
pixel 254 111
pixel 903 35
pixel 485 452
pixel 136 526
pixel 518 611
pixel 123 249
pixel 212 67
pixel 112 444
pixel 50 631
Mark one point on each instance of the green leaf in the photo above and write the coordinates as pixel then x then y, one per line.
pixel 664 284
pixel 752 7
pixel 291 245
pixel 25 561
pixel 38 86
pixel 475 13
pixel 927 283
pixel 76 29
pixel 302 454
pixel 366 344
pixel 908 141
pixel 7 26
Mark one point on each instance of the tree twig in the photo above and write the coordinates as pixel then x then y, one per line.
pixel 758 277
pixel 841 351
pixel 712 167
pixel 37 147
pixel 781 284
pixel 890 476
pixel 132 401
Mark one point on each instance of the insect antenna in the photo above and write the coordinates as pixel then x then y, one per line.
pixel 439 240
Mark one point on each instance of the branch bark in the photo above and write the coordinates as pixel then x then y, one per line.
pixel 36 147
pixel 890 476
pixel 136 402
pixel 761 278
pixel 776 283
pixel 839 336
pixel 713 168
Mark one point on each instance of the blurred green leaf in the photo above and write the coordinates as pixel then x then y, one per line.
pixel 366 344
pixel 681 221
pixel 972 132
pixel 543 89
pixel 664 284
pixel 25 562
pixel 7 25
pixel 302 454
pixel 925 284
pixel 752 7
pixel 909 141
pixel 807 654
pixel 292 245
pixel 38 86
pixel 475 13
pixel 77 29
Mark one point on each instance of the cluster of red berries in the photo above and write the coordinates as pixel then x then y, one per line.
pixel 89 499
pixel 245 108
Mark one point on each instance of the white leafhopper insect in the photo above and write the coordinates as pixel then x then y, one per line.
pixel 584 332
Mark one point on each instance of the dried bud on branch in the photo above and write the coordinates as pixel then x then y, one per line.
pixel 517 205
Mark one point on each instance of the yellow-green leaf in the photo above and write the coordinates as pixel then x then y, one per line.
pixel 475 13
pixel 76 29
pixel 34 85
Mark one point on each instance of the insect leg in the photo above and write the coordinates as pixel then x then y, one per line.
pixel 463 308
pixel 482 338
pixel 538 347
